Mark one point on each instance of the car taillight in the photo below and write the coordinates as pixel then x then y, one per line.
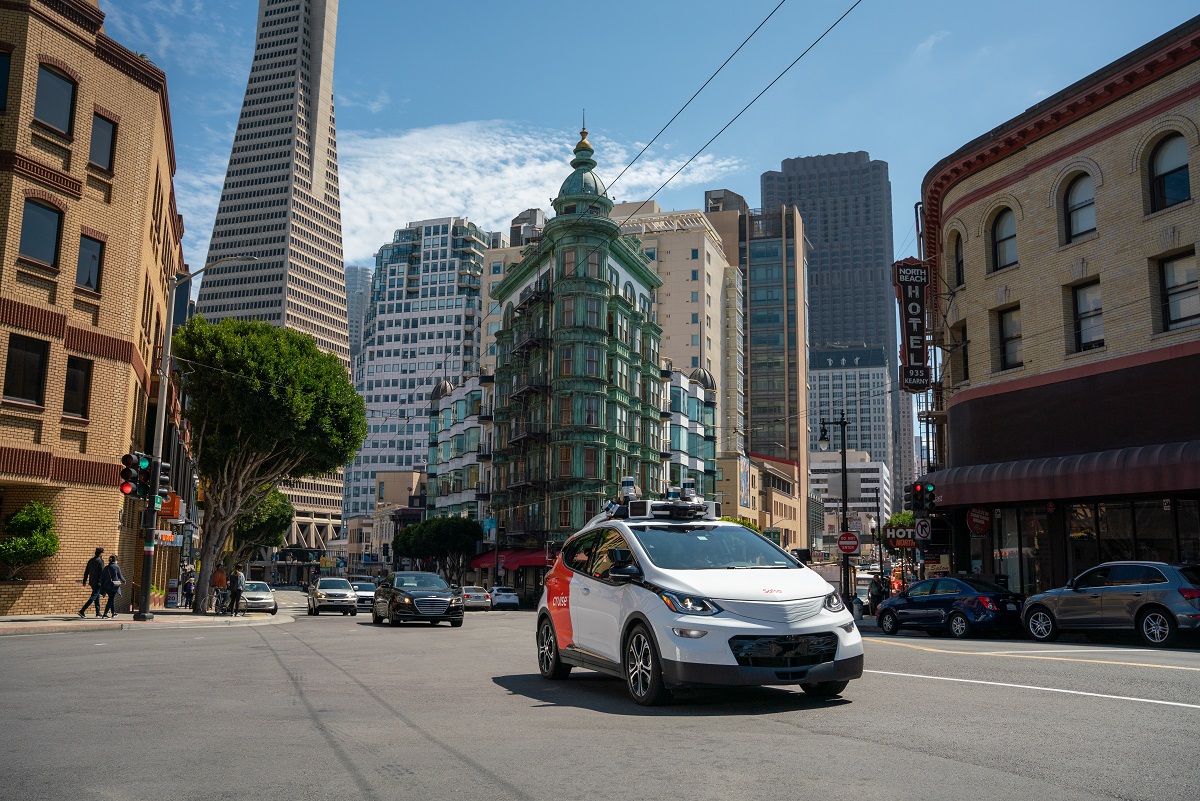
pixel 987 603
pixel 1191 595
pixel 487 597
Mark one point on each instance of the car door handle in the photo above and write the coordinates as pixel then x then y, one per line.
pixel 1095 595
pixel 1137 595
pixel 585 590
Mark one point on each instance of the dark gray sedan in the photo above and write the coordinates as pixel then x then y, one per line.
pixel 1155 599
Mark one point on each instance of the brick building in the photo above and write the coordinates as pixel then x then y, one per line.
pixel 89 234
pixel 1068 314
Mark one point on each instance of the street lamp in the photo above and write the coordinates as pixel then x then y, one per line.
pixel 150 515
pixel 823 444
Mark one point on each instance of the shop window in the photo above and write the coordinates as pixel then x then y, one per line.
pixel 1116 532
pixel 78 387
pixel 25 370
pixel 1036 574
pixel 1082 547
pixel 1180 291
pixel 1154 528
pixel 90 264
pixel 54 105
pixel 104 137
pixel 1169 181
pixel 1079 207
pixel 1187 513
pixel 1007 556
pixel 1004 240
pixel 1089 317
pixel 41 230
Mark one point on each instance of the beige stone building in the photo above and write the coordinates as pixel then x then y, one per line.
pixel 1067 310
pixel 89 236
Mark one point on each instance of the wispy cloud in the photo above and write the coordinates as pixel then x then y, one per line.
pixel 208 47
pixel 489 171
pixel 373 105
pixel 926 47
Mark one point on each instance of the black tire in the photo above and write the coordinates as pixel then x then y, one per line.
pixel 960 627
pixel 354 613
pixel 549 664
pixel 643 668
pixel 1156 627
pixel 456 624
pixel 824 689
pixel 888 623
pixel 275 610
pixel 1040 624
pixel 395 621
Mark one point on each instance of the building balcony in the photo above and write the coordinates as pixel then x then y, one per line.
pixel 467 280
pixel 524 480
pixel 487 378
pixel 531 339
pixel 528 432
pixel 483 453
pixel 525 385
pixel 664 414
pixel 485 414
pixel 533 295
pixel 483 491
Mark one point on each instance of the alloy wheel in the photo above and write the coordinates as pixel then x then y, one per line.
pixel 1041 625
pixel 639 663
pixel 1155 627
pixel 958 625
pixel 546 648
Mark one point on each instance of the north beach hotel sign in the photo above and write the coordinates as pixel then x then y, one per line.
pixel 912 284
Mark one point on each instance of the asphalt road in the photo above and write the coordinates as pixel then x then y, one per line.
pixel 336 708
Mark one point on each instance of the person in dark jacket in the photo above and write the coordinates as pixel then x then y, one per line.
pixel 110 585
pixel 91 578
pixel 878 592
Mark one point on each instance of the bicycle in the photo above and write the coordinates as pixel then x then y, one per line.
pixel 216 600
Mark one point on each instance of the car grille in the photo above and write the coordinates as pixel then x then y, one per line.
pixel 775 611
pixel 793 650
pixel 432 606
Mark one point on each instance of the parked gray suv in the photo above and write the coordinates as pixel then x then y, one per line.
pixel 1155 599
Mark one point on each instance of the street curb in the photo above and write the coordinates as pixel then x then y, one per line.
pixel 149 625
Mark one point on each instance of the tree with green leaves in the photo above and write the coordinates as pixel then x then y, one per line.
pixel 743 521
pixel 266 526
pixel 30 537
pixel 448 542
pixel 265 406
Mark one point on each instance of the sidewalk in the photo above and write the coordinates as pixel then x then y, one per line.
pixel 163 619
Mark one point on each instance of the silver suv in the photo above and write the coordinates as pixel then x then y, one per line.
pixel 1155 599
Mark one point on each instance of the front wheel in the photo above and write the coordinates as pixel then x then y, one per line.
pixel 1041 626
pixel 1157 628
pixel 824 689
pixel 888 623
pixel 643 671
pixel 549 664
pixel 354 613
pixel 456 624
pixel 960 627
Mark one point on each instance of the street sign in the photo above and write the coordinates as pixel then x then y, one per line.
pixel 158 502
pixel 848 542
pixel 924 531
pixel 900 537
pixel 979 521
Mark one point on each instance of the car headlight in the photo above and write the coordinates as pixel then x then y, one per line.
pixel 454 601
pixel 320 595
pixel 688 604
pixel 833 602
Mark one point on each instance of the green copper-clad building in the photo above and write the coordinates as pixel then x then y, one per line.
pixel 578 380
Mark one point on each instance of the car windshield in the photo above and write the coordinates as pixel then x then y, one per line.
pixel 984 586
pixel 421 581
pixel 503 591
pixel 257 586
pixel 710 547
pixel 332 584
pixel 364 586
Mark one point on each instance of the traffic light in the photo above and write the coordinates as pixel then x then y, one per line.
pixel 909 495
pixel 930 503
pixel 164 480
pixel 135 474
pixel 918 495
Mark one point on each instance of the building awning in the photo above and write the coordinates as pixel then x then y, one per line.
pixel 511 559
pixel 1143 469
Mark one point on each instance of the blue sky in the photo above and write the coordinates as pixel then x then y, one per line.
pixel 452 107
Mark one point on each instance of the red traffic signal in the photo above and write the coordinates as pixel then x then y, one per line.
pixel 135 474
pixel 127 488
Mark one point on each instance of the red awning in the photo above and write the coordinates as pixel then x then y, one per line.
pixel 515 559
pixel 487 559
pixel 1171 467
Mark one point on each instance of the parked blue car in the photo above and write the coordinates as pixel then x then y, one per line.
pixel 960 606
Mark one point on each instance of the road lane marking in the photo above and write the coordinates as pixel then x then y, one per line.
pixel 1031 656
pixel 1032 687
pixel 1069 651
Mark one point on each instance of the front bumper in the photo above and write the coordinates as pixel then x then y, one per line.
pixel 698 674
pixel 336 604
pixel 264 604
pixel 450 614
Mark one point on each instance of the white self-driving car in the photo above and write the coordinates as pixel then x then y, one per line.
pixel 665 595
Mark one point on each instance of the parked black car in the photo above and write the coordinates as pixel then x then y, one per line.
pixel 411 595
pixel 960 606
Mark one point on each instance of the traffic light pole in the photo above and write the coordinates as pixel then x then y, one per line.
pixel 848 592
pixel 150 517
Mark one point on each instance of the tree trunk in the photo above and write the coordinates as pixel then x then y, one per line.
pixel 216 529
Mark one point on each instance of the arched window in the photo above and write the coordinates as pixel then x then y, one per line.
pixel 1169 182
pixel 1004 240
pixel 960 270
pixel 1080 207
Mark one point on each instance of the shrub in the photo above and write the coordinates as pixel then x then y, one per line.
pixel 30 539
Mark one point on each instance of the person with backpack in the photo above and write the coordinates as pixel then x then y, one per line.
pixel 91 578
pixel 110 584
pixel 237 585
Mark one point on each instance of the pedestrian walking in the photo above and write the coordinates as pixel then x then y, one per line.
pixel 237 585
pixel 877 592
pixel 91 578
pixel 111 582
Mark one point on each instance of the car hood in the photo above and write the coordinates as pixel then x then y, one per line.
pixel 429 594
pixel 750 584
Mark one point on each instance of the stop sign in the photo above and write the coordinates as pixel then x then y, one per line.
pixel 848 542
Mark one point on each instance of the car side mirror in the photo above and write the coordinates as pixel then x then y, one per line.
pixel 620 556
pixel 625 573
